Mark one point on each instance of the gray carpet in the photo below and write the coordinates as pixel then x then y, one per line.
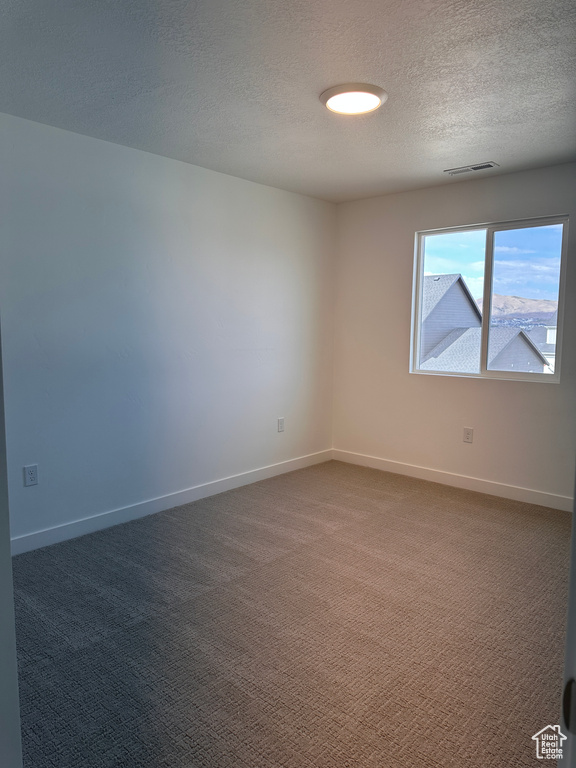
pixel 335 617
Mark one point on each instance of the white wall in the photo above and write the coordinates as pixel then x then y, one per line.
pixel 524 433
pixel 157 319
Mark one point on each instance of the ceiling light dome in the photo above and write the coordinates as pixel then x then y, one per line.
pixel 353 98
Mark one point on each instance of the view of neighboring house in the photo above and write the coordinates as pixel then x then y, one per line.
pixel 451 333
pixel 544 336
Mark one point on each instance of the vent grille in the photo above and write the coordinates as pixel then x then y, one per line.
pixel 470 168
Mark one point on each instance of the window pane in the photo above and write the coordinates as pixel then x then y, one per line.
pixel 524 305
pixel 451 300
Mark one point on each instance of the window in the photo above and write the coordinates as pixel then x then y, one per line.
pixel 488 300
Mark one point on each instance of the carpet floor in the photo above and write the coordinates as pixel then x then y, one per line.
pixel 333 617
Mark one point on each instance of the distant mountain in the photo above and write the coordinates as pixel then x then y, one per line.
pixel 518 307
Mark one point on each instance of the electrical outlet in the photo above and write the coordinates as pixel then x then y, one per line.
pixel 468 435
pixel 281 424
pixel 31 475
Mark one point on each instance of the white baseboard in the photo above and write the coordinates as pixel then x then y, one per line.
pixel 76 528
pixel 564 503
pixel 71 530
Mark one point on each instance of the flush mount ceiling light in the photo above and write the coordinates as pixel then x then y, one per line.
pixel 353 98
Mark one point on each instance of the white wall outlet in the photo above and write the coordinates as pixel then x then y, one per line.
pixel 468 435
pixel 281 424
pixel 31 475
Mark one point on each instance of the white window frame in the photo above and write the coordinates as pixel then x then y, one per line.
pixel 491 228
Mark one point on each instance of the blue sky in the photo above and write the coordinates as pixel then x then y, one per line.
pixel 526 260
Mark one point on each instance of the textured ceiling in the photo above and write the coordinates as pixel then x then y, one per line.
pixel 233 85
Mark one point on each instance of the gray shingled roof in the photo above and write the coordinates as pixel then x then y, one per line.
pixel 547 349
pixel 459 351
pixel 433 289
pixel 500 338
pixel 538 334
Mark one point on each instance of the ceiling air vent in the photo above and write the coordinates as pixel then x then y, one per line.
pixel 470 168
